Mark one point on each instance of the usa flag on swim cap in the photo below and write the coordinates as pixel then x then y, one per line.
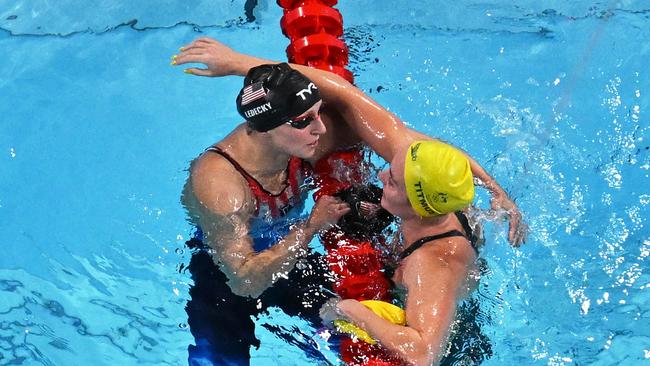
pixel 253 92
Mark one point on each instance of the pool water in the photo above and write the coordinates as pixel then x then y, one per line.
pixel 97 130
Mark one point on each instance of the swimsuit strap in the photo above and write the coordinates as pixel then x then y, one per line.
pixel 275 202
pixel 473 240
pixel 418 243
pixel 464 222
pixel 251 180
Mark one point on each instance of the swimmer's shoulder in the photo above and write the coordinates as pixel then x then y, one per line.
pixel 449 255
pixel 216 184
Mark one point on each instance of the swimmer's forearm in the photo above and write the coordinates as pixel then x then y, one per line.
pixel 407 342
pixel 262 270
pixel 296 242
pixel 485 180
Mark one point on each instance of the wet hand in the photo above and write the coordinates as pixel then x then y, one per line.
pixel 219 59
pixel 518 230
pixel 326 212
pixel 329 311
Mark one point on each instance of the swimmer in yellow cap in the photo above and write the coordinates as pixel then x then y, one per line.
pixel 428 185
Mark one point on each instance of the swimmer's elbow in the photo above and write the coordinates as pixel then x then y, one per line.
pixel 424 355
pixel 246 290
pixel 418 352
pixel 257 272
pixel 427 360
pixel 245 285
pixel 246 282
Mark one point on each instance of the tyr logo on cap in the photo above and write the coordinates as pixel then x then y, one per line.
pixel 308 89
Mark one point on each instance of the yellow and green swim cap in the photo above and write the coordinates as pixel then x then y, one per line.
pixel 438 178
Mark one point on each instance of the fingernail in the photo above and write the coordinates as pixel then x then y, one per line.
pixel 187 71
pixel 173 62
pixel 181 49
pixel 174 57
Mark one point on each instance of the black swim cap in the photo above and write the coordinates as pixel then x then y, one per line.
pixel 273 94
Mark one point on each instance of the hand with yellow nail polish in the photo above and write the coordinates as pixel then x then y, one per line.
pixel 219 59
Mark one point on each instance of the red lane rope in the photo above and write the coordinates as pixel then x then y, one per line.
pixel 314 29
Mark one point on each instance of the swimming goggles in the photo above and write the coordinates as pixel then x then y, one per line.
pixel 302 123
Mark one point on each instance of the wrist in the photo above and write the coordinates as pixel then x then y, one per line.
pixel 310 227
pixel 248 62
pixel 242 69
pixel 345 307
pixel 495 190
pixel 497 193
pixel 305 231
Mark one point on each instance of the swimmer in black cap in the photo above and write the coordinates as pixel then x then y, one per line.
pixel 274 95
pixel 245 193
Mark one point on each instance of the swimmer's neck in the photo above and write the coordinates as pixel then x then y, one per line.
pixel 255 152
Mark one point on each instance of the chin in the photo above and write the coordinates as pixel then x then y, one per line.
pixel 382 203
pixel 303 155
pixel 308 152
pixel 387 207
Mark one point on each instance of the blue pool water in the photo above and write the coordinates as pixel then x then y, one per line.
pixel 96 132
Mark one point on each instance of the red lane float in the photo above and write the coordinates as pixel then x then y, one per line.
pixel 313 28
